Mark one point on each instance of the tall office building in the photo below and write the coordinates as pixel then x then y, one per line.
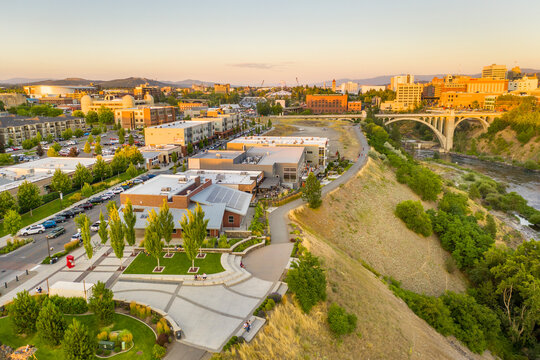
pixel 495 72
pixel 400 79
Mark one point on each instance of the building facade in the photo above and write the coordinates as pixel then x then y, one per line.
pixel 354 106
pixel 461 100
pixel 487 86
pixel 400 79
pixel 178 133
pixel 12 99
pixel 113 103
pixel 145 116
pixel 19 128
pixel 75 92
pixel 327 104
pixel 526 83
pixel 494 72
pixel 222 88
pixel 140 91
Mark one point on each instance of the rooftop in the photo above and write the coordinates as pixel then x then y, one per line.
pixel 219 154
pixel 225 177
pixel 281 140
pixel 162 185
pixel 235 201
pixel 178 125
pixel 16 120
pixel 270 156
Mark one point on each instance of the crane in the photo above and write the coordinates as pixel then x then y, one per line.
pixel 297 83
pixel 262 83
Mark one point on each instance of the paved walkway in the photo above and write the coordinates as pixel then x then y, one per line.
pixel 263 262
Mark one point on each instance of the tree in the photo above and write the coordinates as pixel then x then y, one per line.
pixel 78 343
pixel 339 321
pixel 23 312
pixel 67 134
pixel 474 193
pixel 152 238
pixel 52 152
pixel 49 138
pixel 101 303
pixel 50 324
pixel 87 147
pixel 39 150
pixel 131 140
pixel 90 139
pixel 103 232
pixel 78 133
pixel 82 175
pixel 166 223
pixel 129 219
pixel 12 222
pixel 413 215
pixel 106 116
pixel 61 182
pixel 73 152
pixel 307 281
pixel 194 232
pixel 28 197
pixel 121 137
pixel 98 139
pixel 91 117
pixel 174 157
pixel 87 190
pixel 83 223
pixel 189 148
pixel 7 202
pixel 312 191
pixel 269 124
pixel 132 171
pixel 116 233
pixel 78 113
pixel 119 163
pixel 101 168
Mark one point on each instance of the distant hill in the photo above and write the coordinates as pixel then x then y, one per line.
pixel 16 81
pixel 115 83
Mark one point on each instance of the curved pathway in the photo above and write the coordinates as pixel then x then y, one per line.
pixel 268 263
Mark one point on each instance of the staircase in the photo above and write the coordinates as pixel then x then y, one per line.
pixel 232 275
pixel 256 325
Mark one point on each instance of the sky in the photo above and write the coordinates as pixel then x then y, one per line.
pixel 245 42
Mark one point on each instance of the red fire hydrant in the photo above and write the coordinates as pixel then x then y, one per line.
pixel 70 261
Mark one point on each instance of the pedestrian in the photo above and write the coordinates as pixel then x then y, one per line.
pixel 196 277
pixel 245 325
pixel 248 325
pixel 204 276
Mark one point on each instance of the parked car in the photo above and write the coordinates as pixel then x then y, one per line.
pixel 95 200
pixel 58 219
pixel 76 236
pixel 31 230
pixel 143 177
pixel 86 206
pixel 95 226
pixel 77 210
pixel 54 233
pixel 68 214
pixel 137 181
pixel 49 224
pixel 108 195
pixel 118 190
pixel 151 176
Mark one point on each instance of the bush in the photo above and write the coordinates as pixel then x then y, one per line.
pixel 158 351
pixel 261 314
pixel 75 198
pixel 70 305
pixel 70 246
pixel 413 215
pixel 162 327
pixel 307 281
pixel 275 297
pixel 162 339
pixel 117 348
pixel 102 336
pixel 232 341
pixel 269 305
pixel 125 336
pixel 340 321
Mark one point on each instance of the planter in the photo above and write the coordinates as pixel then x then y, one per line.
pixel 201 256
pixel 193 270
pixel 158 269
pixel 169 255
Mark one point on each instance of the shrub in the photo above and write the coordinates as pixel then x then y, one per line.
pixel 75 197
pixel 102 336
pixel 158 351
pixel 113 336
pixel 269 305
pixel 162 339
pixel 413 215
pixel 162 327
pixel 275 297
pixel 307 281
pixel 70 246
pixel 125 336
pixel 133 308
pixel 70 305
pixel 261 314
pixel 340 321
pixel 232 341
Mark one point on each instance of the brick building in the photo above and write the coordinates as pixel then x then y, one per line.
pixel 324 103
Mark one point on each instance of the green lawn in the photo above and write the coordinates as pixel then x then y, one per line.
pixel 143 338
pixel 179 264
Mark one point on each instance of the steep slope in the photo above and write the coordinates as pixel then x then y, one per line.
pixel 359 219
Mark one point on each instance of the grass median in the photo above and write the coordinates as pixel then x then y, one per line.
pixel 179 264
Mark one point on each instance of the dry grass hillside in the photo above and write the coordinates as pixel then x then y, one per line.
pixel 387 328
pixel 358 218
pixel 510 148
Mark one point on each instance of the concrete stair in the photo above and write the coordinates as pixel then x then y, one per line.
pixel 232 275
pixel 280 288
pixel 256 324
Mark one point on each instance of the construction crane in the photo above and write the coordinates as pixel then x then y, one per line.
pixel 262 83
pixel 297 83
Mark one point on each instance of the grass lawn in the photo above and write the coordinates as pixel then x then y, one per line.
pixel 143 337
pixel 179 264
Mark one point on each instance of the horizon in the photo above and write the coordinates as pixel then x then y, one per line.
pixel 243 45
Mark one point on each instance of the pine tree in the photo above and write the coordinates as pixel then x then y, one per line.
pixel 50 324
pixel 312 191
pixel 102 232
pixel 78 344
pixel 23 313
pixel 101 303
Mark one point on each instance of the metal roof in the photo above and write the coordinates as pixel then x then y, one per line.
pixel 235 201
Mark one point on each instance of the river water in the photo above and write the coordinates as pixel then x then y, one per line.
pixel 524 182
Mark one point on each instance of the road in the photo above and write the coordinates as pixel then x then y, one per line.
pixel 28 256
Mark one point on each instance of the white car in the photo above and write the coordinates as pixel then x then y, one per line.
pixel 31 230
pixel 76 236
pixel 95 226
pixel 118 190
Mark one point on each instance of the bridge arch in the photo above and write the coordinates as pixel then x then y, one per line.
pixel 480 119
pixel 440 136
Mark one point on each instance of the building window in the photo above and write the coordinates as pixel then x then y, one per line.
pixel 174 231
pixel 231 219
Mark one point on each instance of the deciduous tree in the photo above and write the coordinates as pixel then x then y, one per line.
pixel 103 232
pixel 116 233
pixel 83 222
pixel 312 191
pixel 7 202
pixel 82 175
pixel 193 232
pixel 28 197
pixel 129 219
pixel 166 223
pixel 12 222
pixel 152 238
pixel 61 182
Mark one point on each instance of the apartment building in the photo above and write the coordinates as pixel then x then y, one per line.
pixel 19 128
pixel 400 79
pixel 524 84
pixel 222 88
pixel 183 106
pixel 179 133
pixel 113 103
pixel 223 206
pixel 281 165
pixel 222 125
pixel 140 91
pixel 354 106
pixel 494 72
pixel 349 87
pixel 316 148
pixel 144 116
pixel 461 100
pixel 327 103
pixel 365 88
pixel 487 85
pixel 12 99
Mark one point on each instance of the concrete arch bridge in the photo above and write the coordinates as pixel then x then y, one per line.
pixel 442 124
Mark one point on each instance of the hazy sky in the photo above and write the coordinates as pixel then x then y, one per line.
pixel 244 42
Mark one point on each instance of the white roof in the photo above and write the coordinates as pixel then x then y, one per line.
pixel 178 125
pixel 229 177
pixel 235 201
pixel 282 140
pixel 162 185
